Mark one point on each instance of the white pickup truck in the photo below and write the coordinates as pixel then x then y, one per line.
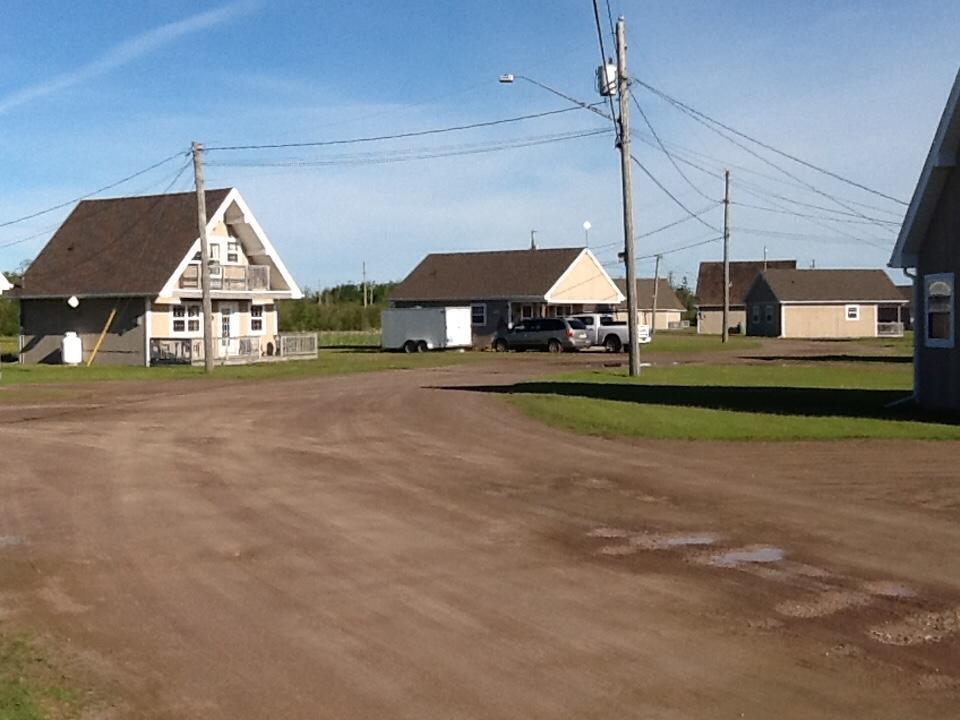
pixel 611 334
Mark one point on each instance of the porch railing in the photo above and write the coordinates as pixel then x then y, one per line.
pixel 890 329
pixel 298 345
pixel 234 350
pixel 230 277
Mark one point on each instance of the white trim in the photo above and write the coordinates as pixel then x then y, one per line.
pixel 947 342
pixel 262 319
pixel 844 302
pixel 548 296
pixel 186 332
pixel 783 320
pixel 478 305
pixel 233 196
pixel 147 330
pixel 846 313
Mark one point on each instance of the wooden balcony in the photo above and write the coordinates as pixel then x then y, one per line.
pixel 242 278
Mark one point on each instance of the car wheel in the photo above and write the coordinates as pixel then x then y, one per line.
pixel 422 346
pixel 554 346
pixel 409 346
pixel 611 343
pixel 500 345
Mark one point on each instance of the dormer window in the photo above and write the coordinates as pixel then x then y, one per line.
pixel 939 301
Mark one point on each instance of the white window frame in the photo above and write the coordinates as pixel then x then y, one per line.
pixel 215 251
pixel 856 313
pixel 188 317
pixel 928 280
pixel 262 319
pixel 233 249
pixel 473 309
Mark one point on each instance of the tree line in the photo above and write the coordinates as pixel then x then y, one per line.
pixel 335 308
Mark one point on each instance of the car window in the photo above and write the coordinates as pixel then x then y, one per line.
pixel 607 320
pixel 576 324
pixel 533 325
pixel 586 320
pixel 520 327
pixel 551 324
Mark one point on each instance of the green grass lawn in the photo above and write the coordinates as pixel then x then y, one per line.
pixel 349 338
pixel 30 688
pixel 9 345
pixel 787 401
pixel 330 362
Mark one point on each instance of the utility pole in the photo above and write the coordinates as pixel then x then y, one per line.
pixel 364 283
pixel 626 176
pixel 726 255
pixel 533 239
pixel 764 258
pixel 656 289
pixel 197 149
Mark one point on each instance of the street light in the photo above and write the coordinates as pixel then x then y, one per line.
pixel 586 232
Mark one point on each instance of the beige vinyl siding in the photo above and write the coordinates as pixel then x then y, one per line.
pixel 585 281
pixel 710 322
pixel 828 321
pixel 161 321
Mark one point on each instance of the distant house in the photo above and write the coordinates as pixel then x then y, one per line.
pixel 928 245
pixel 906 291
pixel 4 284
pixel 710 292
pixel 824 304
pixel 506 286
pixel 130 268
pixel 669 308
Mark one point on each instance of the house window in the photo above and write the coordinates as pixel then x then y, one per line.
pixel 233 251
pixel 256 318
pixel 186 318
pixel 755 314
pixel 852 312
pixel 215 251
pixel 478 314
pixel 526 312
pixel 769 313
pixel 938 299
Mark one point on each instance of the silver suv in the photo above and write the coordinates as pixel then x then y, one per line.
pixel 551 334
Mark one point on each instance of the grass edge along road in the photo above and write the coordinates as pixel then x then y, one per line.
pixel 30 686
pixel 788 401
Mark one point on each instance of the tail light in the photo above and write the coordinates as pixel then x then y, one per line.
pixel 569 332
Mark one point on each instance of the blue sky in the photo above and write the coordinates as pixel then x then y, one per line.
pixel 92 91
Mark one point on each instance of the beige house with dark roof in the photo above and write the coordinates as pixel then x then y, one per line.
pixel 503 287
pixel 819 304
pixel 131 270
pixel 710 292
pixel 670 310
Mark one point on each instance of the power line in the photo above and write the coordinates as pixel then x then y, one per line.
pixel 767 146
pixel 398 136
pixel 112 185
pixel 821 238
pixel 417 154
pixel 603 65
pixel 808 215
pixel 672 196
pixel 684 219
pixel 667 152
pixel 682 247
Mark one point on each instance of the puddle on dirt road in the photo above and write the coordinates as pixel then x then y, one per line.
pixel 672 541
pixel 608 532
pixel 747 556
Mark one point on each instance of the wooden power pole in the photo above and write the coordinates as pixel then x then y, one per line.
pixel 726 255
pixel 656 290
pixel 364 283
pixel 197 150
pixel 629 250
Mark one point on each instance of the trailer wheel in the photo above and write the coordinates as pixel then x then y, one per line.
pixel 611 343
pixel 409 346
pixel 554 346
pixel 500 345
pixel 422 346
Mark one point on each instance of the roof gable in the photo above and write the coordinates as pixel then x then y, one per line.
pixel 742 275
pixel 828 286
pixel 118 246
pixel 4 284
pixel 506 274
pixel 666 296
pixel 940 162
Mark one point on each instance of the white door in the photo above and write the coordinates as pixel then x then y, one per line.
pixel 229 329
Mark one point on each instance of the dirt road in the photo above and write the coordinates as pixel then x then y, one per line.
pixel 383 546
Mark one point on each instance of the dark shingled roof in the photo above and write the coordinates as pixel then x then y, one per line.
pixel 742 275
pixel 496 274
pixel 906 291
pixel 666 298
pixel 832 286
pixel 119 246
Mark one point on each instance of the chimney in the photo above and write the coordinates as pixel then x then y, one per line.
pixel 533 239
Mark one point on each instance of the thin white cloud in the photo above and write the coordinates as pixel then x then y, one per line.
pixel 126 52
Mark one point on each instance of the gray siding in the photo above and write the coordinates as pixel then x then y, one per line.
pixel 43 324
pixel 938 369
pixel 498 317
pixel 762 298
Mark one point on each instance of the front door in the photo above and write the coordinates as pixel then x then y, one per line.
pixel 229 329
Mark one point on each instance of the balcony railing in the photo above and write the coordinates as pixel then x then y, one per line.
pixel 890 329
pixel 234 350
pixel 229 277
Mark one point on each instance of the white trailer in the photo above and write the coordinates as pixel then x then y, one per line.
pixel 426 328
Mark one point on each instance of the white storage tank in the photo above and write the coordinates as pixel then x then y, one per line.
pixel 71 350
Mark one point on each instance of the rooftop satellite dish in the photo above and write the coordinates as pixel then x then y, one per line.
pixel 73 302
